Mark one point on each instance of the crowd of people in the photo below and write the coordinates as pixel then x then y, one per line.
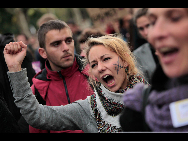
pixel 93 81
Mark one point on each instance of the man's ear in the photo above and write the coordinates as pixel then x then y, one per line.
pixel 42 53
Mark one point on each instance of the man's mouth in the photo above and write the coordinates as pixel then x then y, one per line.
pixel 66 56
pixel 109 80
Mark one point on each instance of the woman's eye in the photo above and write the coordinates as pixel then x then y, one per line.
pixel 175 15
pixel 152 22
pixel 93 65
pixel 105 59
pixel 176 18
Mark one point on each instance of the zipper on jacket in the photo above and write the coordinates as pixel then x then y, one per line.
pixel 64 82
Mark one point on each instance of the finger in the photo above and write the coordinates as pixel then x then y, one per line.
pixel 11 43
pixel 18 47
pixel 10 48
pixel 23 45
pixel 14 48
pixel 7 49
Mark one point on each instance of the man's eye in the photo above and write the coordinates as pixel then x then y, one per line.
pixel 68 40
pixel 55 44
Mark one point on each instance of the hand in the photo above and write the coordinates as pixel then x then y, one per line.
pixel 14 54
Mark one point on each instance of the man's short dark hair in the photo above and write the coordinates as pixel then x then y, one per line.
pixel 50 25
pixel 141 12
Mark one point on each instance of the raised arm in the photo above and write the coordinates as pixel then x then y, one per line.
pixel 74 116
pixel 14 54
pixel 37 115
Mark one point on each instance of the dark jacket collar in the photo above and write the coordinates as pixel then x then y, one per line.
pixel 161 82
pixel 68 72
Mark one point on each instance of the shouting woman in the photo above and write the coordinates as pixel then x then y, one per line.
pixel 112 70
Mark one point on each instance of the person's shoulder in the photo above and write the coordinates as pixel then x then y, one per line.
pixel 133 97
pixel 80 61
pixel 141 48
pixel 42 75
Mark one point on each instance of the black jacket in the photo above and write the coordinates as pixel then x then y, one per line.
pixel 8 123
pixel 8 96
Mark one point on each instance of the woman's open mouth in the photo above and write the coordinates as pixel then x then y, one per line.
pixel 168 51
pixel 168 54
pixel 109 80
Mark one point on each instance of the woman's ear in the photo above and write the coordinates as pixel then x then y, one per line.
pixel 125 64
pixel 42 53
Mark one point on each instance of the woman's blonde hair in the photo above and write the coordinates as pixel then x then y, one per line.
pixel 117 45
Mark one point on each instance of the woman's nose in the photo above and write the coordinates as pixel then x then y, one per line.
pixel 157 32
pixel 101 67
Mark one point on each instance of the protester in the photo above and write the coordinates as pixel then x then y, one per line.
pixel 111 66
pixel 164 111
pixel 7 121
pixel 123 28
pixel 109 28
pixel 22 37
pixel 135 40
pixel 145 52
pixel 33 41
pixel 30 57
pixel 8 96
pixel 43 19
pixel 9 113
pixel 64 79
pixel 87 33
pixel 76 32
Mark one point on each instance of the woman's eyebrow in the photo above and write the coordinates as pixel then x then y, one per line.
pixel 100 58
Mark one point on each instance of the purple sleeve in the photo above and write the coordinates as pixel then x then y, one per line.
pixel 133 97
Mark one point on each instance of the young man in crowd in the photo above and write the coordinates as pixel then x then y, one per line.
pixel 145 54
pixel 64 79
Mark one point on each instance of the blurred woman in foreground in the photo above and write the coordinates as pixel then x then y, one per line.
pixel 166 109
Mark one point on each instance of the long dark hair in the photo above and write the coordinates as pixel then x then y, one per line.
pixel 6 92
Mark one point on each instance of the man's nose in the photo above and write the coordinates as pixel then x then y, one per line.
pixel 64 47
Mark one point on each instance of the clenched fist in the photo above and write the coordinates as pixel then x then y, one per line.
pixel 14 54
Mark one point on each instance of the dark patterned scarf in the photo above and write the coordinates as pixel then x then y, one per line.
pixel 112 106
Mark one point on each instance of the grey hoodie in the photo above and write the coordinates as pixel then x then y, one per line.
pixel 75 116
